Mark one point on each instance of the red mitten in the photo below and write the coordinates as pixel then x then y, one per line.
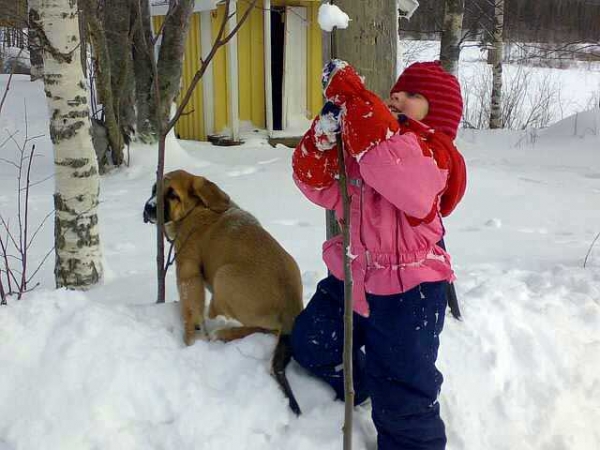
pixel 340 80
pixel 315 161
pixel 366 120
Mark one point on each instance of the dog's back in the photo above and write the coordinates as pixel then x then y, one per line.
pixel 252 277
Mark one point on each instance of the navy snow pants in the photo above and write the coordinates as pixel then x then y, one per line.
pixel 395 350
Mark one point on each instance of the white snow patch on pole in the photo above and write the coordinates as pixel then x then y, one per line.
pixel 331 16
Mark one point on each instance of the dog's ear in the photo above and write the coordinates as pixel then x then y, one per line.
pixel 209 193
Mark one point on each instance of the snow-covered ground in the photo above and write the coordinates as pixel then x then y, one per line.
pixel 107 369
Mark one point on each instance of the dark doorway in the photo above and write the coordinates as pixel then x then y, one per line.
pixel 277 44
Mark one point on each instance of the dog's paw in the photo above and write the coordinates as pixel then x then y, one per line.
pixel 202 335
pixel 189 338
pixel 202 332
pixel 198 333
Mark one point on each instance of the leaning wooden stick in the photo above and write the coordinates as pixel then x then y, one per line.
pixel 348 304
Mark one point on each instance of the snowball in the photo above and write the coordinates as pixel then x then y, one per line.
pixel 331 16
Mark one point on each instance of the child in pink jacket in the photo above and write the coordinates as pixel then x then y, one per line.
pixel 404 174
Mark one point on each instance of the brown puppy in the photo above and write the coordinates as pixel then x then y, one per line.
pixel 223 248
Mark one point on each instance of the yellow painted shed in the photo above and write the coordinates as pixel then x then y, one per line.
pixel 267 76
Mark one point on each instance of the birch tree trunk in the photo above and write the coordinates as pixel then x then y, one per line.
pixel 496 60
pixel 77 241
pixel 451 35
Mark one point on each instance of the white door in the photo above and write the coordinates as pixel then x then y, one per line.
pixel 294 68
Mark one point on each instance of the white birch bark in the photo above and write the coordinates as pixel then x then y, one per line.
pixel 77 241
pixel 497 43
pixel 451 35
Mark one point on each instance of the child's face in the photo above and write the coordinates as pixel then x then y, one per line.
pixel 411 104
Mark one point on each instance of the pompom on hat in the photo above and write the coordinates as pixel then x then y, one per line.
pixel 442 91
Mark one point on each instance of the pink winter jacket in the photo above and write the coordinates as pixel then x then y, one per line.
pixel 391 181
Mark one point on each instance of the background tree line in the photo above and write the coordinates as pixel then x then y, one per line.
pixel 549 21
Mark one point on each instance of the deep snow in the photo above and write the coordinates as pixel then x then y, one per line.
pixel 107 369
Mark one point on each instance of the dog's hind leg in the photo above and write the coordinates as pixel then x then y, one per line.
pixel 281 358
pixel 191 297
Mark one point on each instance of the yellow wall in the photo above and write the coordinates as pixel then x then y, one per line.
pixel 315 62
pixel 191 124
pixel 219 66
pixel 250 70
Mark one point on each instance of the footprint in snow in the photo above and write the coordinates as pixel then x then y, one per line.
pixel 118 193
pixel 564 233
pixel 120 248
pixel 593 176
pixel 291 223
pixel 269 161
pixel 531 180
pixel 493 223
pixel 534 230
pixel 243 171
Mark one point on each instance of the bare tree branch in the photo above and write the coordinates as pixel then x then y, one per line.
pixel 219 42
pixel 590 250
pixel 7 88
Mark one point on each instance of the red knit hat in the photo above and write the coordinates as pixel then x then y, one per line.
pixel 441 90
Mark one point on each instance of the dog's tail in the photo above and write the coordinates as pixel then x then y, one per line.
pixel 281 358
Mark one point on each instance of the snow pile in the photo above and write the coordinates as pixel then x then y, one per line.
pixel 582 124
pixel 78 374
